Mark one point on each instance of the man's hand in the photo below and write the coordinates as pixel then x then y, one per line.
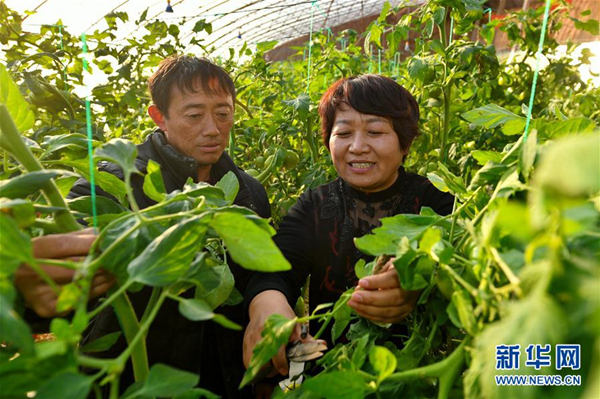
pixel 380 297
pixel 262 306
pixel 39 295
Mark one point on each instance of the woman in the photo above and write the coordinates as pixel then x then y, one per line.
pixel 368 124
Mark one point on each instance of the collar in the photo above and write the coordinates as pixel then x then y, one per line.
pixel 376 196
pixel 181 167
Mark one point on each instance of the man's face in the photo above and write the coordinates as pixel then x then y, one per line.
pixel 198 124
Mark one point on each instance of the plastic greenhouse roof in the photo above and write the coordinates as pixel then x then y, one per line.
pixel 233 22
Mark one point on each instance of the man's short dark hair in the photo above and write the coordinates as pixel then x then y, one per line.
pixel 185 72
pixel 372 95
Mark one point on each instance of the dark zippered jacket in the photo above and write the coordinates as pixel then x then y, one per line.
pixel 199 347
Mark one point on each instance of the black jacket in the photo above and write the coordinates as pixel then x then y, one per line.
pixel 201 347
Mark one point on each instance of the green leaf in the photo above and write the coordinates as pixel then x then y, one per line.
pixel 483 157
pixel 225 322
pixel 248 244
pixel 383 361
pixel 197 393
pixel 571 166
pixel 65 184
pixel 201 25
pixel 166 381
pixel 342 314
pixel 276 333
pixel 67 385
pixel 195 309
pixel 456 184
pixel 65 331
pixel 359 355
pixel 489 174
pixel 70 295
pixel 335 385
pixel 266 46
pixel 416 274
pixel 103 343
pixel 514 127
pixel 537 318
pixel 384 240
pixel 490 116
pixel 591 25
pixel 301 105
pixel 15 103
pixel 213 195
pixel 154 187
pixel 120 152
pixel 431 237
pixel 417 68
pixel 464 307
pixel 105 180
pixel 28 183
pixel 214 282
pixel 436 46
pixel 373 37
pixel 439 15
pixel 22 211
pixel 71 140
pixel 384 12
pixel 15 246
pixel 169 255
pixel 104 205
pixel 14 330
pixel 230 186
pixel 528 154
pixel 360 269
pixel 556 129
pixel 404 258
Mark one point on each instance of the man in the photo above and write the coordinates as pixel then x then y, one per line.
pixel 193 106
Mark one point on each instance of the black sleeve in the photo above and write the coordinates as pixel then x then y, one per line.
pixel 259 195
pixel 83 188
pixel 295 240
pixel 441 202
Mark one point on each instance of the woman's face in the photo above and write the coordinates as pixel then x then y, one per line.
pixel 365 150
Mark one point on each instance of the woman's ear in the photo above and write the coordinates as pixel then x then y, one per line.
pixel 157 116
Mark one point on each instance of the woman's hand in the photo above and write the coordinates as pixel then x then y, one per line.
pixel 37 293
pixel 262 306
pixel 380 297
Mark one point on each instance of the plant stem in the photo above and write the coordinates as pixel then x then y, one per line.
pixel 113 296
pixel 47 279
pixel 114 388
pixel 99 260
pixel 151 302
pixel 432 370
pixel 93 362
pixel 514 280
pixel 447 91
pixel 448 378
pixel 329 317
pixel 11 140
pixel 133 332
pixel 314 153
pixel 135 345
pixel 67 264
pixel 461 281
pixel 47 225
pixel 132 202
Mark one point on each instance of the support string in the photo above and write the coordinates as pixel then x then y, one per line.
pixel 537 68
pixel 88 119
pixel 312 14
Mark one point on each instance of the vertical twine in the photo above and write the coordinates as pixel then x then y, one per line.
pixel 537 69
pixel 312 14
pixel 88 119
